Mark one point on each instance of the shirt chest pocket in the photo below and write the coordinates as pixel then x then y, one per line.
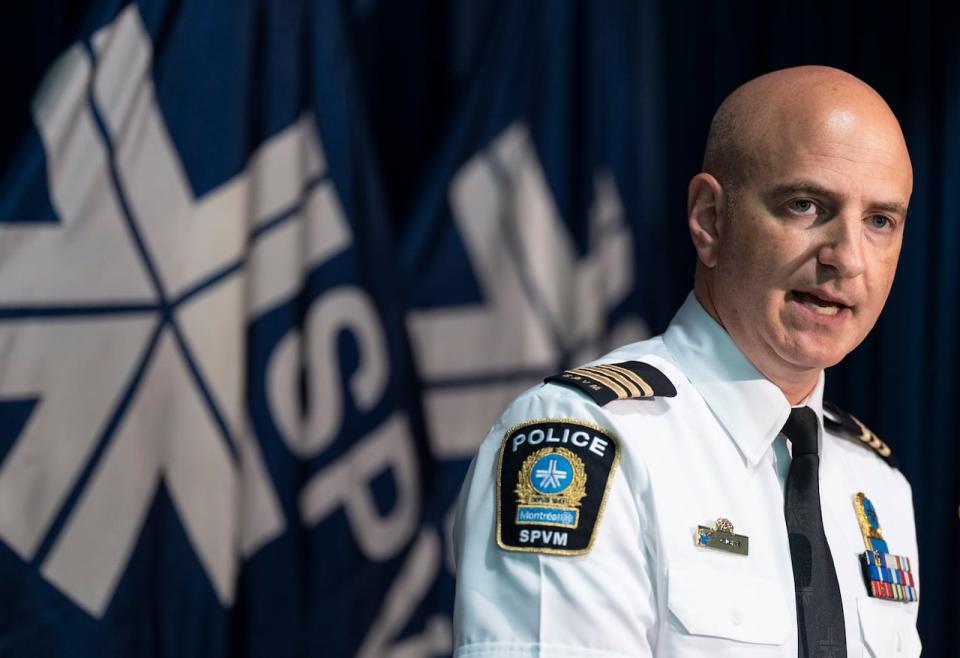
pixel 889 628
pixel 724 613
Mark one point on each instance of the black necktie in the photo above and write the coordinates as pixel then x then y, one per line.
pixel 819 607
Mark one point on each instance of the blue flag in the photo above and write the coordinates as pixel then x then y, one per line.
pixel 237 396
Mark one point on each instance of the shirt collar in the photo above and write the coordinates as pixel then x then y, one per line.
pixel 751 408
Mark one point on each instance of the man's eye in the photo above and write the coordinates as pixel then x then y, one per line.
pixel 880 221
pixel 803 207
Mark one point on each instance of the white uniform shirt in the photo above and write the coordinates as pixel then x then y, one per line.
pixel 645 588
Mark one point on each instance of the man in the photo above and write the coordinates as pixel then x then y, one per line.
pixel 692 494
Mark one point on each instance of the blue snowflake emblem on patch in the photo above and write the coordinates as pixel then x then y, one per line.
pixel 552 474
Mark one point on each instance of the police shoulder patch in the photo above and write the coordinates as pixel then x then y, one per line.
pixel 628 380
pixel 839 421
pixel 553 476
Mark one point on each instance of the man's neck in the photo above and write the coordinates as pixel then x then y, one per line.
pixel 795 392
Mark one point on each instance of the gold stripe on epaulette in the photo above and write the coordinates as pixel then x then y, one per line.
pixel 617 389
pixel 646 389
pixel 612 372
pixel 580 376
pixel 871 439
pixel 623 389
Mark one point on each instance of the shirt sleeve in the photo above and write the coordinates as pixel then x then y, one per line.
pixel 517 604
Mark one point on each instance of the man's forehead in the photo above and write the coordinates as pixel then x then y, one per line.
pixel 833 150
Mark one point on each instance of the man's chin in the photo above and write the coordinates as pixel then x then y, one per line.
pixel 814 357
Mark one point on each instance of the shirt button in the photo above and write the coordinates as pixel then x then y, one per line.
pixel 736 618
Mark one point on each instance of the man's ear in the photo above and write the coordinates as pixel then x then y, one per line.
pixel 705 199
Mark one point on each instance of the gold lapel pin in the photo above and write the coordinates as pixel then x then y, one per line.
pixel 722 537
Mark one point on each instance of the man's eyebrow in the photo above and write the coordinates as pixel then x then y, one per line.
pixel 801 187
pixel 891 207
pixel 815 189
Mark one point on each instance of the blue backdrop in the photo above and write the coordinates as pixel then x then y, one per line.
pixel 268 270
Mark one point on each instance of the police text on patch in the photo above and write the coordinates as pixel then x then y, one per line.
pixel 579 438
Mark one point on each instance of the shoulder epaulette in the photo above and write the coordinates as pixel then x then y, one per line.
pixel 838 420
pixel 629 380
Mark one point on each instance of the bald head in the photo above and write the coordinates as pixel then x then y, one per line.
pixel 800 103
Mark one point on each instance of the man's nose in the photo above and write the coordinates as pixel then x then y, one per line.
pixel 843 246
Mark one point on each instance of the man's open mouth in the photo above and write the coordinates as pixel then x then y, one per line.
pixel 818 304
